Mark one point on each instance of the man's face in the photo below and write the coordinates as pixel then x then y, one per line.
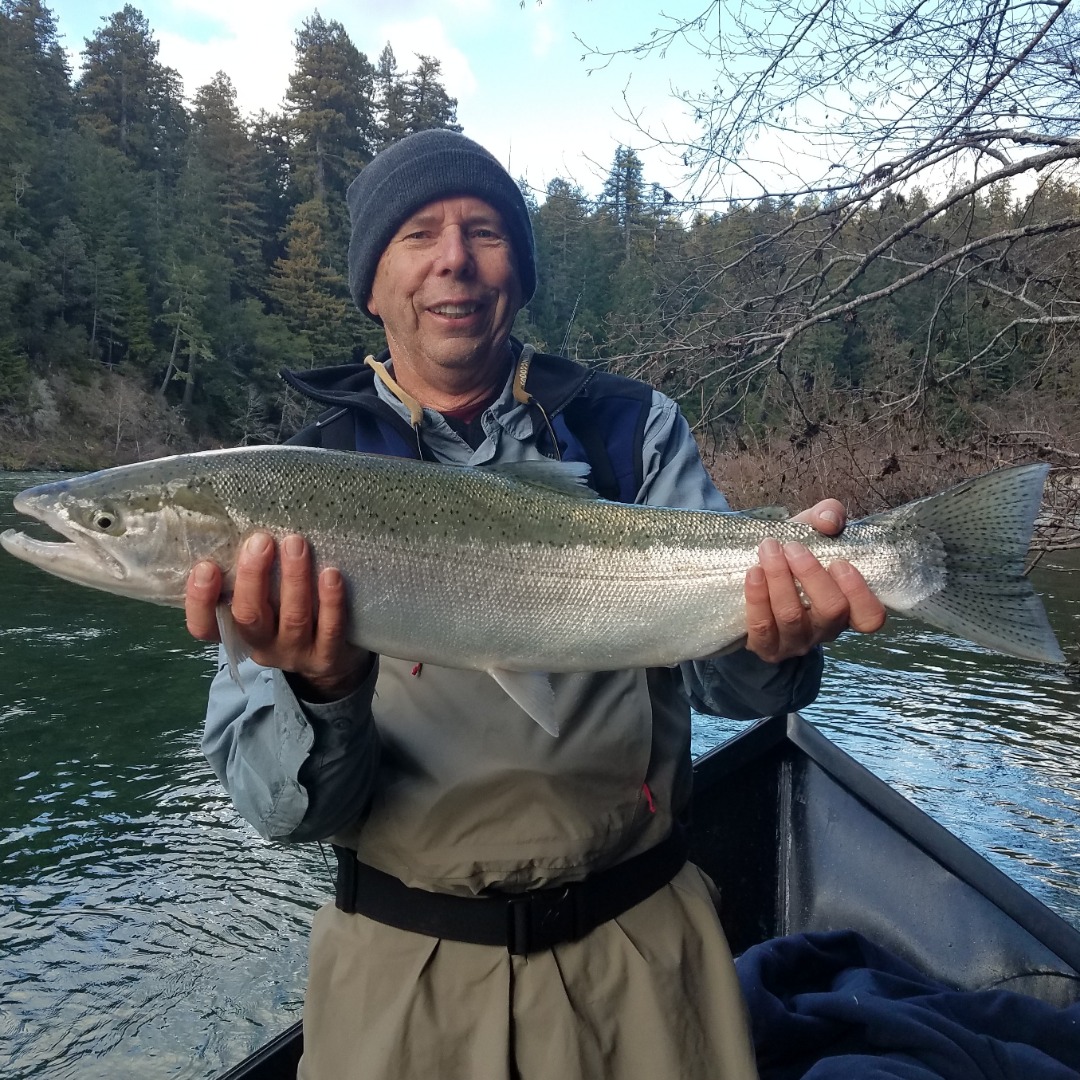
pixel 447 291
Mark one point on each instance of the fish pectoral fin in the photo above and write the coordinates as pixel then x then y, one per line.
pixel 532 692
pixel 235 648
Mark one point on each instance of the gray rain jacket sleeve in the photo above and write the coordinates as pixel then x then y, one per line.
pixel 287 765
pixel 299 771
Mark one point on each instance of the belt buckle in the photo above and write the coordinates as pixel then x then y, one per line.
pixel 536 921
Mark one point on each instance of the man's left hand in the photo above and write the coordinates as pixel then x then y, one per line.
pixel 778 624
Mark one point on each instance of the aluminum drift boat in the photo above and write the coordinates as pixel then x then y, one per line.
pixel 800 837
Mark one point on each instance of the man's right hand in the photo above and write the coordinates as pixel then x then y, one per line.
pixel 304 639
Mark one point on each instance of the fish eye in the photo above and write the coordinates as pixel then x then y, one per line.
pixel 102 519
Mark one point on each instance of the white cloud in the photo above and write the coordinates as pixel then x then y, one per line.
pixel 516 71
pixel 473 8
pixel 545 27
pixel 255 45
pixel 428 35
pixel 259 70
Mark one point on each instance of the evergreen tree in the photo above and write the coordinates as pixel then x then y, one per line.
pixel 271 164
pixel 222 150
pixel 624 195
pixel 313 295
pixel 427 104
pixel 66 294
pixel 131 101
pixel 574 271
pixel 416 101
pixel 183 314
pixel 35 112
pixel 110 210
pixel 330 111
pixel 391 99
pixel 35 91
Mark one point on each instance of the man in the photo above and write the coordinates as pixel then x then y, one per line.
pixel 509 904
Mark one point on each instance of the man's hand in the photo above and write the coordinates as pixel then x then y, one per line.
pixel 303 639
pixel 778 626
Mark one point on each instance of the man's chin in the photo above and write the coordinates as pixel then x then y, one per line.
pixel 468 353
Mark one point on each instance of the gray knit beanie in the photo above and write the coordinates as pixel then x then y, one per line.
pixel 415 171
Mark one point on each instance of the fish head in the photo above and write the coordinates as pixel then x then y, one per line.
pixel 127 531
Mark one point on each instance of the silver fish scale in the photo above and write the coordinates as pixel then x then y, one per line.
pixel 473 568
pixel 506 569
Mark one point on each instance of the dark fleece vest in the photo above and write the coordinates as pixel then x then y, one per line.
pixel 597 418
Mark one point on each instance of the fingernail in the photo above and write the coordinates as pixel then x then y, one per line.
pixel 755 576
pixel 294 546
pixel 258 543
pixel 796 550
pixel 204 573
pixel 831 517
pixel 769 548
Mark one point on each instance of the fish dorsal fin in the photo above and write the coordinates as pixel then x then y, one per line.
pixel 532 692
pixel 565 477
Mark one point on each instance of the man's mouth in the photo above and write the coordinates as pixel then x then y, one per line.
pixel 456 311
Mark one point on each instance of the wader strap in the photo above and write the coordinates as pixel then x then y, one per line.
pixel 521 922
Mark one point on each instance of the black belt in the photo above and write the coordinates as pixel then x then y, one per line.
pixel 522 922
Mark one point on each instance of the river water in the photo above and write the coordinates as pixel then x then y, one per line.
pixel 146 931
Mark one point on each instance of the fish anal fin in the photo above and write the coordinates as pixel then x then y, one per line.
pixel 532 692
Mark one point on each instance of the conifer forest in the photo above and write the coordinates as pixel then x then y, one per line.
pixel 904 316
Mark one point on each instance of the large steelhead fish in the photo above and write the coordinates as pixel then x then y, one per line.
pixel 522 569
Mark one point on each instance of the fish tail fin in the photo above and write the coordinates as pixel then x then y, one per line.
pixel 985 527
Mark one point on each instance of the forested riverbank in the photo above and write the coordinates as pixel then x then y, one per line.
pixel 162 256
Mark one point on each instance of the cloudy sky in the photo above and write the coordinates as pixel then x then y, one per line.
pixel 523 89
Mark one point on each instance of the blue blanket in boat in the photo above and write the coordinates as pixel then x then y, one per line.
pixel 833 1006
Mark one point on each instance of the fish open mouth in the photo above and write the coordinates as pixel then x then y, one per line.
pixel 75 559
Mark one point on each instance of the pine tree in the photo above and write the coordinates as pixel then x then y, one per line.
pixel 222 150
pixel 129 99
pixel 110 209
pixel 330 111
pixel 272 167
pixel 391 99
pixel 427 104
pixel 566 301
pixel 184 316
pixel 35 92
pixel 35 113
pixel 313 296
pixel 624 195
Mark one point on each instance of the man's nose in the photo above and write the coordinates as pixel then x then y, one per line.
pixel 454 253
